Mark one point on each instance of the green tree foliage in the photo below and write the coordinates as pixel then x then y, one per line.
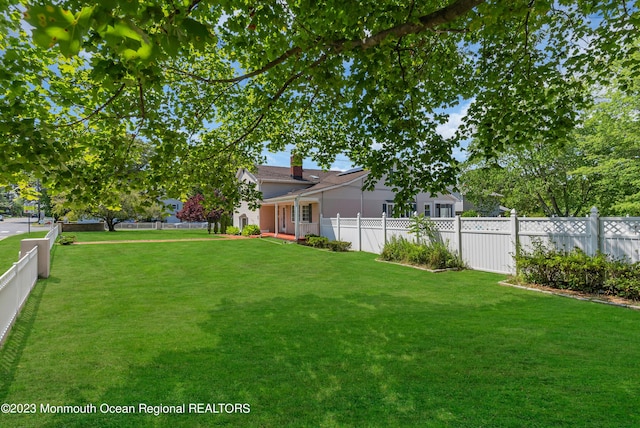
pixel 122 206
pixel 208 85
pixel 535 180
pixel 598 164
pixel 610 144
pixel 5 203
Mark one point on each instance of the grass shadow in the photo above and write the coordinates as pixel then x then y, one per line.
pixel 362 360
pixel 14 346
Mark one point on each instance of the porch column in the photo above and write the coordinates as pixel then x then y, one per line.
pixel 276 220
pixel 296 215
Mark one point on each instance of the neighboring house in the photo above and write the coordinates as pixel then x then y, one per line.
pixel 294 199
pixel 172 207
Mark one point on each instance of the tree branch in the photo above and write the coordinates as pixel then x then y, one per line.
pixel 427 22
pixel 275 98
pixel 96 111
pixel 282 58
pixel 141 98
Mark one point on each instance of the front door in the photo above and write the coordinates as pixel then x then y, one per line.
pixel 283 227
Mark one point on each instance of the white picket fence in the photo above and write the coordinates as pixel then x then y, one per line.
pixel 16 285
pixel 489 243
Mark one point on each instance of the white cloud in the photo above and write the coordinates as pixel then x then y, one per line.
pixel 449 129
pixel 342 163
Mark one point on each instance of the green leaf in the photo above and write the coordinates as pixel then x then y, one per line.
pixel 54 25
pixel 199 34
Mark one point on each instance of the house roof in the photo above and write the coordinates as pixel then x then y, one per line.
pixel 317 179
pixel 283 173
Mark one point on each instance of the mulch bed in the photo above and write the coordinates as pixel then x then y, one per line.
pixel 597 298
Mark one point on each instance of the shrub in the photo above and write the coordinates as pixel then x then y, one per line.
pixel 339 246
pixel 396 249
pixel 439 256
pixel 423 228
pixel 470 213
pixel 317 241
pixel 416 254
pixel 66 239
pixel 578 271
pixel 623 280
pixel 540 266
pixel 435 255
pixel 232 230
pixel 251 230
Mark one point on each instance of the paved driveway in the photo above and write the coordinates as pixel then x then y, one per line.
pixel 17 225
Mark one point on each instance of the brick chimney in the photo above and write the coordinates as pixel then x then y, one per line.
pixel 296 166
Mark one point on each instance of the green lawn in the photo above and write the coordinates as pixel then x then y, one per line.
pixel 310 338
pixel 124 235
pixel 10 247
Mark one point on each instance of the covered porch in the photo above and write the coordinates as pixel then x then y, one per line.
pixel 294 217
pixel 282 236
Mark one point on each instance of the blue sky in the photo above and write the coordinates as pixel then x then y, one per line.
pixel 343 163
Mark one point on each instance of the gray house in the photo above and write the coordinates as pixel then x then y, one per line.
pixel 294 199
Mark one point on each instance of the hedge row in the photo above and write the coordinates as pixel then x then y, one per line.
pixel 575 270
pixel 323 242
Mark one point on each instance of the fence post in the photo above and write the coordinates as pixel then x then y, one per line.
pixel 457 230
pixel 338 224
pixel 514 241
pixel 359 232
pixel 593 232
pixel 44 254
pixel 384 227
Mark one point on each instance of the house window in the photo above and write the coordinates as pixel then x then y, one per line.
pixel 388 207
pixel 304 213
pixel 444 210
pixel 427 210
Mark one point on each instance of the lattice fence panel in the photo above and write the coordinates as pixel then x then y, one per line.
pixel 485 225
pixel 444 225
pixel 371 223
pixel 398 223
pixel 621 226
pixel 348 222
pixel 553 226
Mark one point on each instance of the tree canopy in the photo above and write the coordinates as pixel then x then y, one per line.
pixel 609 143
pixel 598 164
pixel 208 85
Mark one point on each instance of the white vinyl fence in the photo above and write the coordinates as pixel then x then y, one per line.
pixel 489 243
pixel 53 235
pixel 16 284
